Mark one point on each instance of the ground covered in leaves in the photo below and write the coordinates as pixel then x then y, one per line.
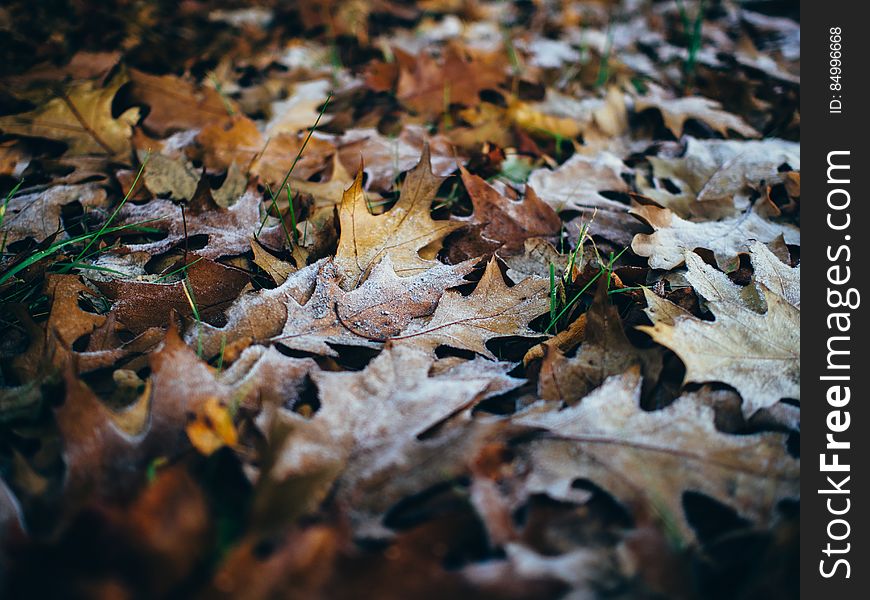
pixel 382 299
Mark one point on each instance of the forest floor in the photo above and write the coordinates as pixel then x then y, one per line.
pixel 383 299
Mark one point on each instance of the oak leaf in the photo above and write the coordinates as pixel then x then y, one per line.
pixel 782 279
pixel 229 230
pixel 673 236
pixel 506 221
pixel 176 104
pixel 367 316
pixel 492 310
pixel 406 233
pixel 757 354
pixel 676 111
pixel 369 423
pixel 711 175
pixel 81 117
pixel 425 86
pixel 604 351
pixel 140 304
pixel 38 215
pixel 578 183
pixel 386 158
pixel 668 452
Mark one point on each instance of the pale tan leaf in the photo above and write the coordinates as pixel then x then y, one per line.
pixel 648 460
pixel 757 354
pixel 673 236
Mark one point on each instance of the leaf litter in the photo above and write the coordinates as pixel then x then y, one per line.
pixel 394 299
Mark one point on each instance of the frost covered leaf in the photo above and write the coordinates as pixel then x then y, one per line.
pixel 38 215
pixel 578 183
pixel 757 354
pixel 229 231
pixel 369 315
pixel 777 276
pixel 492 310
pixel 668 452
pixel 384 159
pixel 717 171
pixel 676 111
pixel 674 236
pixel 141 304
pixel 406 233
pixel 369 421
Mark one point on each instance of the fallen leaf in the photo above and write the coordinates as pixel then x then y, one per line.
pixel 212 428
pixel 370 420
pixel 384 159
pixel 229 231
pixel 81 117
pixel 604 351
pixel 140 305
pixel 578 183
pixel 778 277
pixel 757 354
pixel 492 310
pixel 676 111
pixel 426 86
pixel 368 316
pixel 406 233
pixel 674 236
pixel 506 221
pixel 668 452
pixel 176 104
pixel 38 215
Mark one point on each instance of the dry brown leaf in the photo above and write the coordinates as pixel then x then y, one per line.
pixel 426 86
pixel 257 316
pixel 81 117
pixel 406 233
pixel 237 140
pixel 714 286
pixel 492 310
pixel 757 354
pixel 605 351
pixel 140 305
pixel 277 269
pixel 716 171
pixel 229 231
pixel 535 260
pixel 369 315
pixel 505 221
pixel 327 193
pixel 99 445
pixel 14 158
pixel 674 236
pixel 176 104
pixel 648 460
